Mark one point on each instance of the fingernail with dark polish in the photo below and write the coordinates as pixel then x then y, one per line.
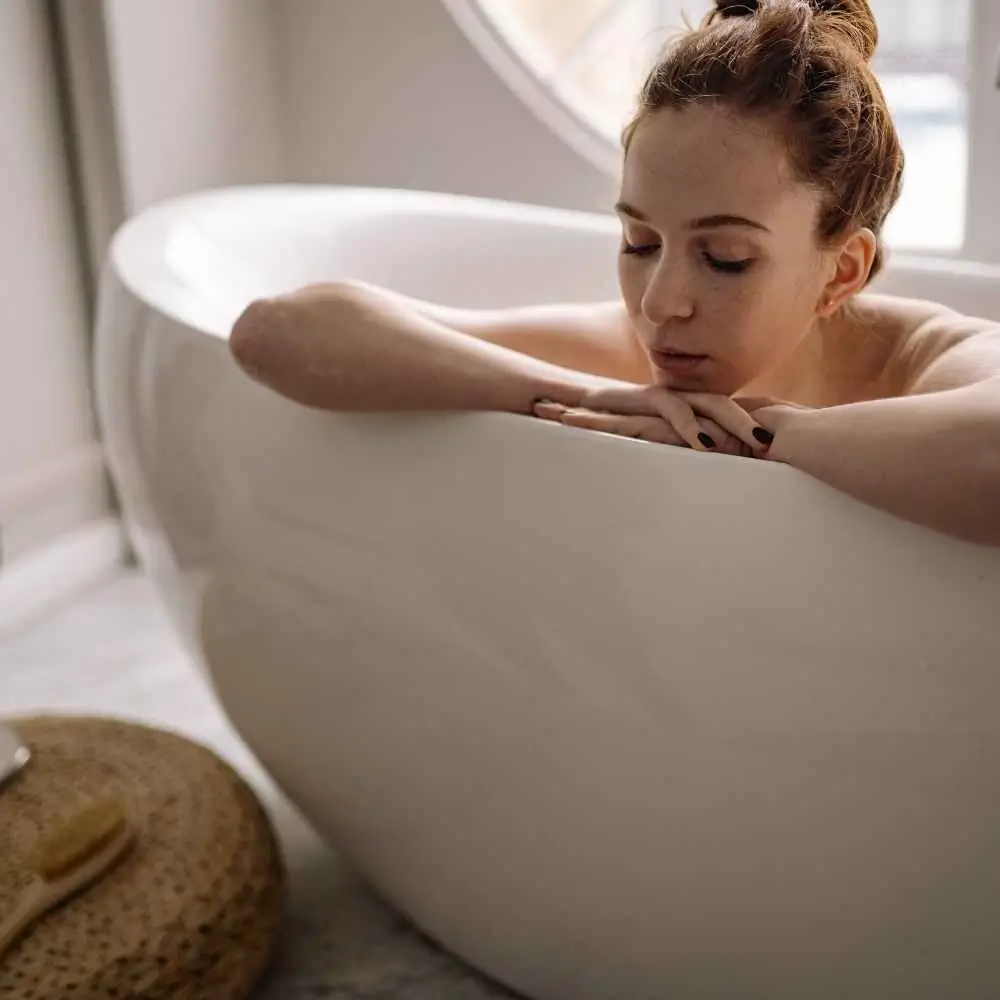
pixel 762 435
pixel 706 440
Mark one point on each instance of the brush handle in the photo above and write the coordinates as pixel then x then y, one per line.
pixel 34 901
pixel 41 895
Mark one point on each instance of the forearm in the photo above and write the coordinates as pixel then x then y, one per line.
pixel 348 348
pixel 594 337
pixel 462 320
pixel 933 459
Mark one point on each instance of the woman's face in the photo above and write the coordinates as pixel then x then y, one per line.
pixel 720 267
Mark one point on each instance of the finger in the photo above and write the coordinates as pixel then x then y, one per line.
pixel 681 416
pixel 730 415
pixel 548 410
pixel 611 423
pixel 726 443
pixel 652 429
pixel 657 431
pixel 653 400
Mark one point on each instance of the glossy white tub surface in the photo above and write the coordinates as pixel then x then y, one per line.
pixel 608 719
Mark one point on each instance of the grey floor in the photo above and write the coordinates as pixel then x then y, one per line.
pixel 112 652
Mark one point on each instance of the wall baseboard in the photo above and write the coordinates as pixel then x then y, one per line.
pixel 48 500
pixel 46 577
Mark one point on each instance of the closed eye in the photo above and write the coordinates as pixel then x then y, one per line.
pixel 727 266
pixel 717 264
pixel 640 249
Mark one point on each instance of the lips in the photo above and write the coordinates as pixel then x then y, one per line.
pixel 668 360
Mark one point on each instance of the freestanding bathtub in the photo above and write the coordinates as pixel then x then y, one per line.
pixel 611 720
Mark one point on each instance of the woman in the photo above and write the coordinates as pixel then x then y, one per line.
pixel 758 173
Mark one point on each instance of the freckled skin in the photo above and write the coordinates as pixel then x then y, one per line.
pixel 756 326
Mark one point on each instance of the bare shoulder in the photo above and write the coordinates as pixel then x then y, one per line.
pixel 928 346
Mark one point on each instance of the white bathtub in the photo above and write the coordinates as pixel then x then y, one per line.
pixel 610 720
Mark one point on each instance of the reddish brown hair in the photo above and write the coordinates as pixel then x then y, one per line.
pixel 803 64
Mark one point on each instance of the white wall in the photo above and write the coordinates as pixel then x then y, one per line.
pixel 195 95
pixel 382 92
pixel 51 473
pixel 391 93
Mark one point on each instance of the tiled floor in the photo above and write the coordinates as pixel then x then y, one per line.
pixel 113 653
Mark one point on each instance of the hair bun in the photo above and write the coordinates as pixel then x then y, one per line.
pixel 855 20
pixel 736 8
pixel 851 19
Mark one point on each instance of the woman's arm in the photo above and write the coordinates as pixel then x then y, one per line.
pixel 931 455
pixel 352 347
pixel 594 337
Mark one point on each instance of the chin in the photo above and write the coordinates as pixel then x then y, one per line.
pixel 691 382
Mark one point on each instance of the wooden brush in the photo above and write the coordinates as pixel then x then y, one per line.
pixel 76 853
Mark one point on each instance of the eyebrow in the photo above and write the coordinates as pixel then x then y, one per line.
pixel 706 222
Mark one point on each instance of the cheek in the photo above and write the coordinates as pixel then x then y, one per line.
pixel 781 299
pixel 736 304
pixel 761 319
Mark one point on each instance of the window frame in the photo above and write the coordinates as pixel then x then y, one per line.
pixel 541 98
pixel 982 206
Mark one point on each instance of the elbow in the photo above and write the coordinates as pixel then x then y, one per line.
pixel 252 338
pixel 284 343
pixel 271 335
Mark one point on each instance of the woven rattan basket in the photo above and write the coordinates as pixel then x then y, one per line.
pixel 191 913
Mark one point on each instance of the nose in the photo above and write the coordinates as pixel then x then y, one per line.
pixel 668 294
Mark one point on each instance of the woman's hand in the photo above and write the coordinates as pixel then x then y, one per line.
pixel 642 428
pixel 702 421
pixel 780 418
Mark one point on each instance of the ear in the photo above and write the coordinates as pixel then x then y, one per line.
pixel 854 262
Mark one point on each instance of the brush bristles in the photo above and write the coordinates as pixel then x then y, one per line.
pixel 78 839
